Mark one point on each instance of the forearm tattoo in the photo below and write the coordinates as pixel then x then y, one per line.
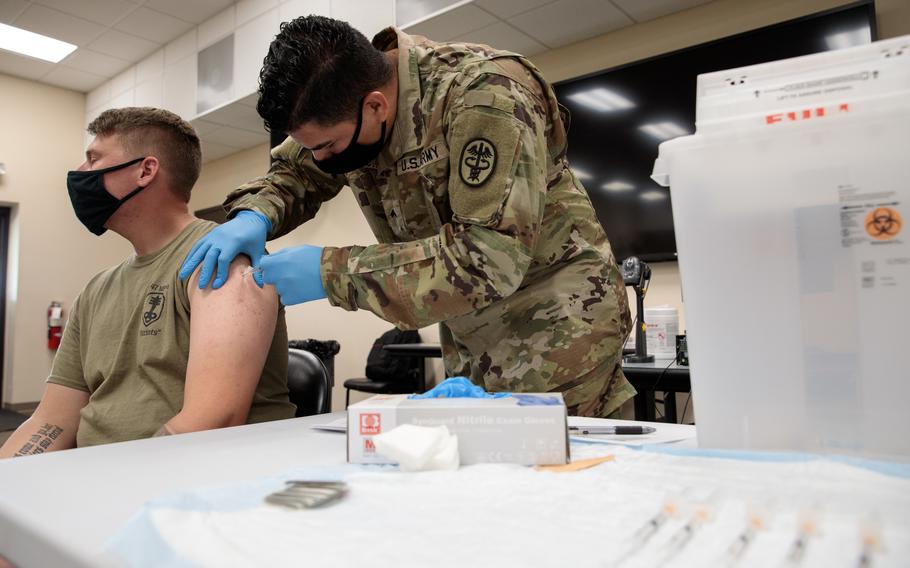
pixel 41 440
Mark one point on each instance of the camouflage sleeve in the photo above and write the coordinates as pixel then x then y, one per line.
pixel 290 193
pixel 496 191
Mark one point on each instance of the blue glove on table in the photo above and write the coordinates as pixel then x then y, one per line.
pixel 244 234
pixel 295 274
pixel 459 387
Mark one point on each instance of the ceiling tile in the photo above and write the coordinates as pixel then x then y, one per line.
pixel 196 11
pixel 94 62
pixel 22 66
pixel 153 26
pixel 212 151
pixel 237 138
pixel 454 23
pixel 249 100
pixel 9 9
pixel 122 45
pixel 505 9
pixel 204 127
pixel 104 12
pixel 409 11
pixel 73 79
pixel 644 10
pixel 238 116
pixel 43 20
pixel 567 21
pixel 503 36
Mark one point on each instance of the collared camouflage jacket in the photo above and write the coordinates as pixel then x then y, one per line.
pixel 482 227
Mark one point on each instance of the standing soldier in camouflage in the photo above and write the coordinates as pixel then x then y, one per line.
pixel 456 154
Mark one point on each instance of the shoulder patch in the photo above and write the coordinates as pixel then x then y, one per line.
pixel 477 162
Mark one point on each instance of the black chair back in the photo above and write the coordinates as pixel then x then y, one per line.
pixel 308 383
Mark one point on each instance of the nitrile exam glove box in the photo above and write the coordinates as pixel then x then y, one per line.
pixel 527 429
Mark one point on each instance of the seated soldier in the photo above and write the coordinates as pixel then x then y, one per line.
pixel 144 353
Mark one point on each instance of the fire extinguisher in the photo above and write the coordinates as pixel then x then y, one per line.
pixel 54 325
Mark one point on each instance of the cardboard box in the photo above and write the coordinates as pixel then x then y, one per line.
pixel 527 429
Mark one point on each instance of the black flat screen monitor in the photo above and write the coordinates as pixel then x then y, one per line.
pixel 621 115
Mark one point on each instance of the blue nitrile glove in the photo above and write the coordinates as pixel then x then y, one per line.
pixel 295 274
pixel 459 387
pixel 244 234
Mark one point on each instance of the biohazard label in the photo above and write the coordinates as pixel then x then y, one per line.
pixel 869 217
pixel 872 223
pixel 883 223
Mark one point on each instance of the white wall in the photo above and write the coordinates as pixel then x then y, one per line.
pixel 51 254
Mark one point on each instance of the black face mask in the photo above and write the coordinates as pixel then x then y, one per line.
pixel 355 156
pixel 91 201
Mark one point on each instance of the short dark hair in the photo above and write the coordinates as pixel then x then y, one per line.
pixel 147 131
pixel 317 69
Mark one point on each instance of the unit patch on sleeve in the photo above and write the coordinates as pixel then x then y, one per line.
pixel 478 161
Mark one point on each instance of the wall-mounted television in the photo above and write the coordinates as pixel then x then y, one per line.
pixel 621 115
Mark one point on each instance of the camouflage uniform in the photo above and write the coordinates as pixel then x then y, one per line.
pixel 481 225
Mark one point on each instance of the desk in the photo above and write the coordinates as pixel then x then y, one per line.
pixel 661 375
pixel 58 509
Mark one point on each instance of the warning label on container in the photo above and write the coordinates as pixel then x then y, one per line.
pixel 869 217
pixel 872 221
pixel 883 223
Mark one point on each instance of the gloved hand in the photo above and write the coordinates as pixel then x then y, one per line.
pixel 245 233
pixel 295 274
pixel 459 387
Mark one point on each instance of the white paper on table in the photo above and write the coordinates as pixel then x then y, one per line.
pixel 337 425
pixel 665 434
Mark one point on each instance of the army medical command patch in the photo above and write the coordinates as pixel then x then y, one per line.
pixel 478 160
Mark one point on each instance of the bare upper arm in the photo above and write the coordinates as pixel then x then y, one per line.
pixel 52 426
pixel 231 330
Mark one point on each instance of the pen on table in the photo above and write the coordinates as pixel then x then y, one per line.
pixel 618 430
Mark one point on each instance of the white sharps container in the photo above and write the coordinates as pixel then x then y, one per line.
pixel 791 205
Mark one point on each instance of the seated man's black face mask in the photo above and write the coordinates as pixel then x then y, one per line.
pixel 355 156
pixel 93 204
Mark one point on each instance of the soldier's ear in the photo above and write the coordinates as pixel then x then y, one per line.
pixel 376 104
pixel 148 171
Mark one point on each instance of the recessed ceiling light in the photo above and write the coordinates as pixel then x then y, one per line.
pixel 34 45
pixel 663 130
pixel 653 195
pixel 618 186
pixel 603 100
pixel 580 174
pixel 849 38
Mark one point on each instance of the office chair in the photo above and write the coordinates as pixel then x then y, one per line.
pixel 308 383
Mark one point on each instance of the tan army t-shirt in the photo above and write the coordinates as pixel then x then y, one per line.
pixel 127 343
